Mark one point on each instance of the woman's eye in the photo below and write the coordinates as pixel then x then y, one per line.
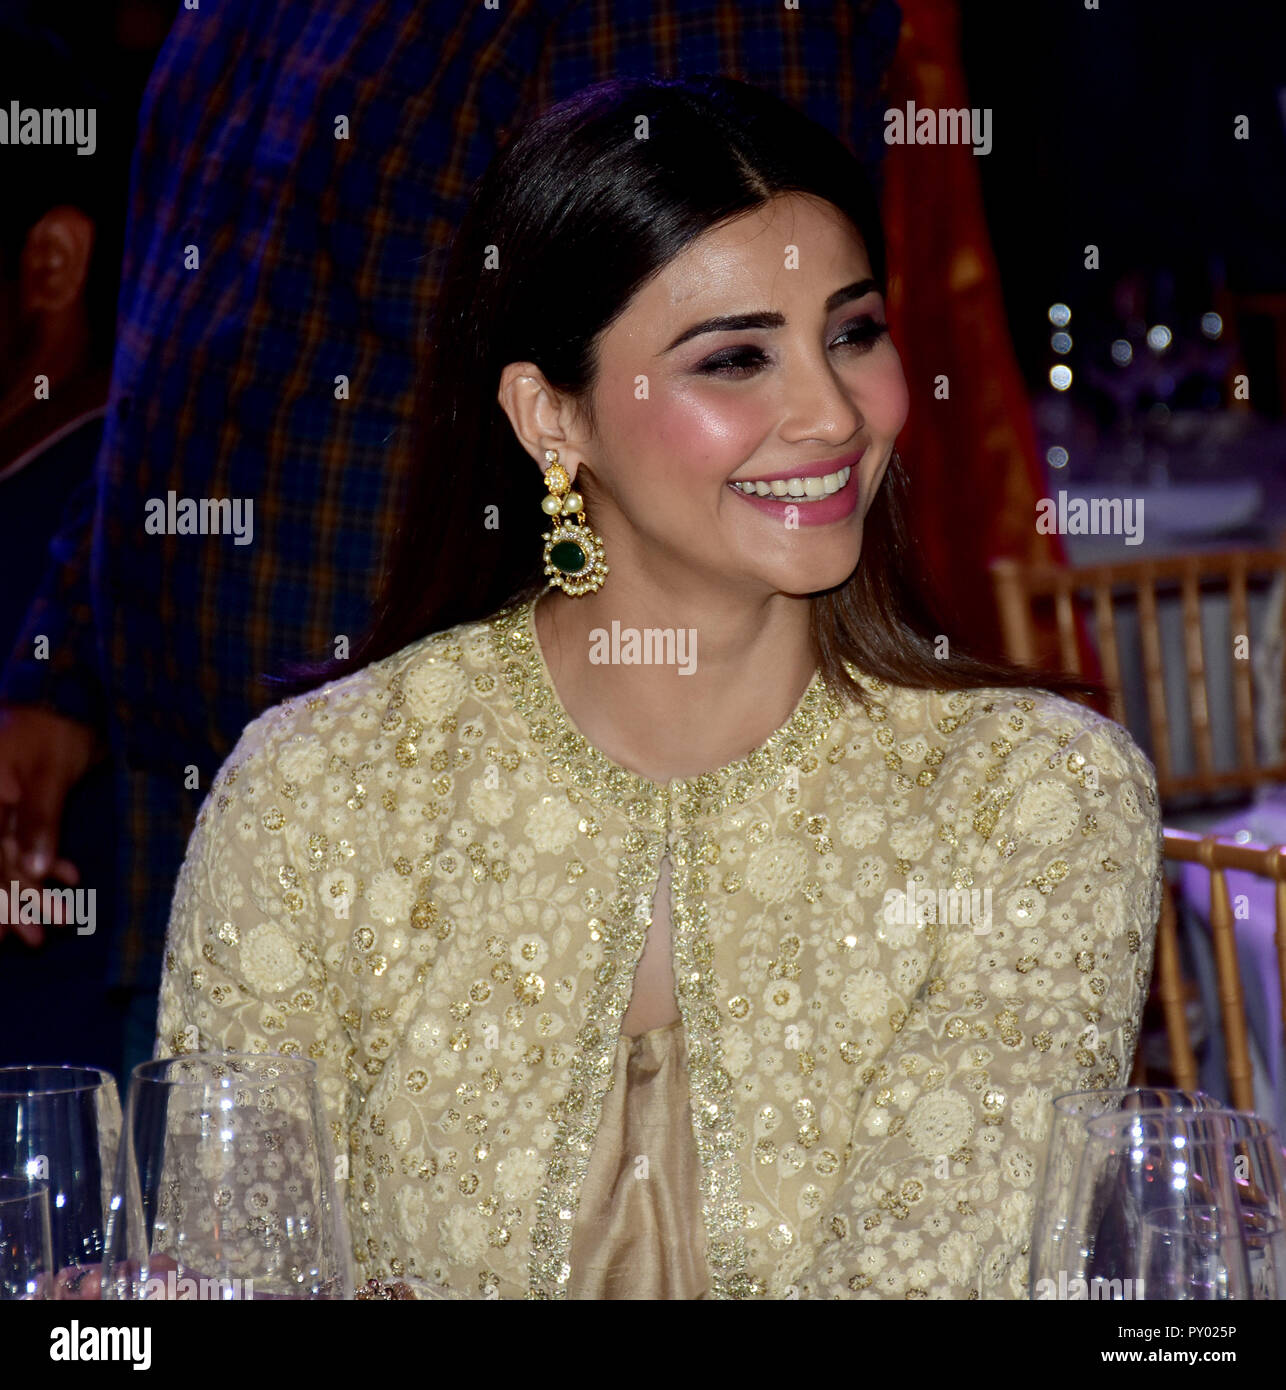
pixel 740 362
pixel 735 362
pixel 862 334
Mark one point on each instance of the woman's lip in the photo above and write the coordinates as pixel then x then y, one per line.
pixel 833 507
pixel 806 470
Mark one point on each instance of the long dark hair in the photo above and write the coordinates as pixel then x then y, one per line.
pixel 577 211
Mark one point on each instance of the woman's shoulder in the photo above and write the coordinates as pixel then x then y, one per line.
pixel 1013 733
pixel 426 681
pixel 1027 714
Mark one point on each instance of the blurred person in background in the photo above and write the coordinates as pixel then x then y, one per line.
pixel 60 229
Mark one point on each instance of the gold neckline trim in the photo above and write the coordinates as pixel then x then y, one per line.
pixel 571 757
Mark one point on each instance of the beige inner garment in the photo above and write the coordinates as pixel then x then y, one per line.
pixel 639 1230
pixel 652 1005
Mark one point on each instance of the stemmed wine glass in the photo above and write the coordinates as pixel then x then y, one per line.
pixel 1259 1179
pixel 1156 1212
pixel 61 1126
pixel 1184 1254
pixel 1063 1154
pixel 226 1185
pixel 26 1248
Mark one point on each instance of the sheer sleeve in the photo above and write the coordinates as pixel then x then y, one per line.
pixel 948 1137
pixel 253 957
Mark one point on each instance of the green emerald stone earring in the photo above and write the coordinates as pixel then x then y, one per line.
pixel 573 553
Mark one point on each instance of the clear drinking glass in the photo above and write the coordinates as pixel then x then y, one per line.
pixel 1057 1185
pixel 26 1247
pixel 1188 1253
pixel 1159 1167
pixel 62 1126
pixel 1259 1179
pixel 226 1185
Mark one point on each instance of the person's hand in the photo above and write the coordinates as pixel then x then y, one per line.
pixel 84 1283
pixel 42 756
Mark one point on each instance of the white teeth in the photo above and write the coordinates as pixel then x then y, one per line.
pixel 798 489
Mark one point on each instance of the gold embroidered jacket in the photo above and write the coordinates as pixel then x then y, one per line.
pixel 896 935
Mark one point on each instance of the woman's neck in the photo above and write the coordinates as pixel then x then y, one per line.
pixel 719 681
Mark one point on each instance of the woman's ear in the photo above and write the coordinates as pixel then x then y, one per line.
pixel 541 417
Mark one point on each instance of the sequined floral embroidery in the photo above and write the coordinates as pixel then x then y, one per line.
pixel 423 877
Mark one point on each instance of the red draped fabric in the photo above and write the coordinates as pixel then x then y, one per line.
pixel 972 457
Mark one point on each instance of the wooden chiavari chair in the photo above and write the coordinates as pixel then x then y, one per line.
pixel 1018 587
pixel 1217 855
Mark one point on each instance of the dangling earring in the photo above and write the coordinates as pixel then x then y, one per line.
pixel 573 553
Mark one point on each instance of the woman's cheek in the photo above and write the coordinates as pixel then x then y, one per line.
pixel 701 429
pixel 885 396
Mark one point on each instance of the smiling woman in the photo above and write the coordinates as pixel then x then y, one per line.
pixel 593 959
pixel 687 265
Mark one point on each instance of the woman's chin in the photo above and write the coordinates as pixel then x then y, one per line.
pixel 815 573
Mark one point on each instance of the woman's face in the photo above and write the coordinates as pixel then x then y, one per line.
pixel 758 354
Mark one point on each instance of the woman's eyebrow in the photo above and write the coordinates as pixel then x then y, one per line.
pixel 733 323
